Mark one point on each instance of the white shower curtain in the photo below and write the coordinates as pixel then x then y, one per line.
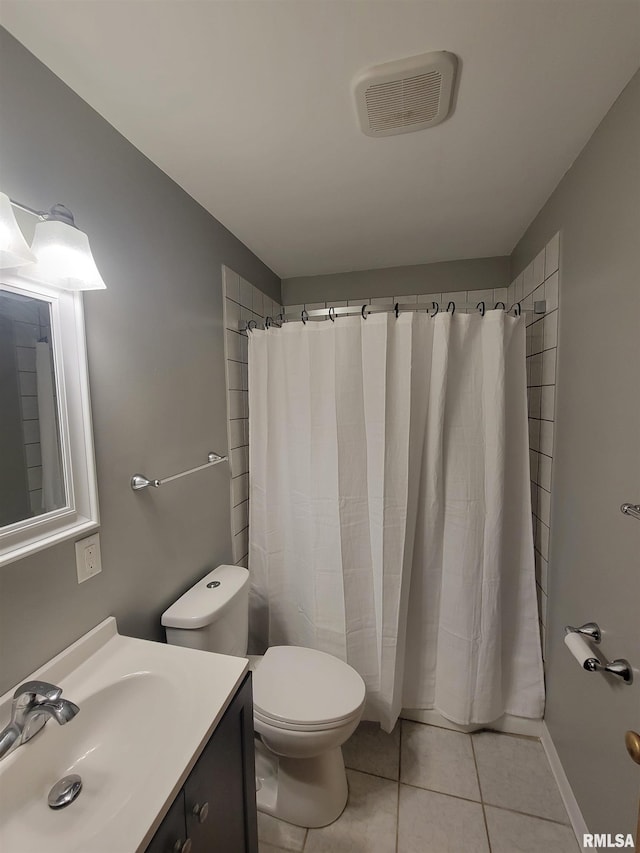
pixel 390 513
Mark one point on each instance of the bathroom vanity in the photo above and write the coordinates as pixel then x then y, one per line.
pixel 163 743
pixel 216 807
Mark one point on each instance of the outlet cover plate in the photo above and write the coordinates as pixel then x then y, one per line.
pixel 88 562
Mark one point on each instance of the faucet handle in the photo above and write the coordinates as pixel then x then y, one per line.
pixel 47 691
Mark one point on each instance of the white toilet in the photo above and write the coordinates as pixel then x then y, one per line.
pixel 306 703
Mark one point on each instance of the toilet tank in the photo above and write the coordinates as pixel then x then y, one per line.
pixel 213 615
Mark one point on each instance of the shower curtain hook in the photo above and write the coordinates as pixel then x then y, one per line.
pixel 504 307
pixel 396 309
pixel 517 309
pixel 281 318
pixel 480 307
pixel 267 321
pixel 304 316
pixel 332 314
pixel 436 308
pixel 250 328
pixel 364 311
pixel 451 305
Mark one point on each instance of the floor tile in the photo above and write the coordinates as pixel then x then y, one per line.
pixel 367 825
pixel 435 823
pixel 278 833
pixel 514 833
pixel 373 751
pixel 269 848
pixel 438 759
pixel 515 774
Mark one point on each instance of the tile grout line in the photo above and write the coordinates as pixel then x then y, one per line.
pixel 484 812
pixel 528 814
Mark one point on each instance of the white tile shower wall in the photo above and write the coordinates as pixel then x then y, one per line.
pixel 540 280
pixel 242 302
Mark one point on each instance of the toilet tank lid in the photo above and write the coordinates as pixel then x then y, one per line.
pixel 205 601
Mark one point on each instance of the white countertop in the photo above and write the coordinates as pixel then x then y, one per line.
pixel 146 712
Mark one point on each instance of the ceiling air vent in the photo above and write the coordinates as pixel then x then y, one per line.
pixel 406 95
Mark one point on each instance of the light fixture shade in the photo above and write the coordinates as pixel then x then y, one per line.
pixel 64 257
pixel 14 249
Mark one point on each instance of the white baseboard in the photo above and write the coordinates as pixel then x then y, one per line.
pixel 568 798
pixel 508 724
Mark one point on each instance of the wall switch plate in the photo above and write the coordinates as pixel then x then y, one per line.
pixel 88 561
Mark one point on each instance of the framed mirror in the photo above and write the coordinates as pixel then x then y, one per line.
pixel 47 471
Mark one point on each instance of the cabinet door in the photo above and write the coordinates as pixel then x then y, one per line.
pixel 171 834
pixel 220 797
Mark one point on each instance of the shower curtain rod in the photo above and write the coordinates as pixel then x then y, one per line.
pixel 330 313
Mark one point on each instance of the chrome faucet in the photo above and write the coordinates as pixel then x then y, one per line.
pixel 33 704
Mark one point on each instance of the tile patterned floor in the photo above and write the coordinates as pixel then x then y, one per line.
pixel 423 789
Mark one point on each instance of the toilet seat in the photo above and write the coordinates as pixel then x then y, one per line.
pixel 303 689
pixel 301 727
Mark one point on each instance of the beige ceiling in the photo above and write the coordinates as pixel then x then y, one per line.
pixel 248 106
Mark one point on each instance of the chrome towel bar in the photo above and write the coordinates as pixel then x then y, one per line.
pixel 139 481
pixel 631 509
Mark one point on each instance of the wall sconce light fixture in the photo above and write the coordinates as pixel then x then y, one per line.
pixel 60 252
pixel 14 251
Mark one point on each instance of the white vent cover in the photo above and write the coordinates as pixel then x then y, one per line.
pixel 405 95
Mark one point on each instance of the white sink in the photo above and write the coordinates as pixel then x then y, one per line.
pixel 146 711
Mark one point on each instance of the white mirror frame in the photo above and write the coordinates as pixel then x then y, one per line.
pixel 80 514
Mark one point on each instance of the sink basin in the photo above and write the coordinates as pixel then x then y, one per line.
pixel 146 711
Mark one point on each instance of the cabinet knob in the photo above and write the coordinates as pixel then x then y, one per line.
pixel 201 812
pixel 182 846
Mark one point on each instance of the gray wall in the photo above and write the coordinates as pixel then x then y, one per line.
pixel 594 557
pixel 474 274
pixel 156 363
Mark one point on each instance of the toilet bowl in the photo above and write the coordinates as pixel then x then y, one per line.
pixel 306 702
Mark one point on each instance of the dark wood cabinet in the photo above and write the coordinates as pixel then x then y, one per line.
pixel 215 812
pixel 172 832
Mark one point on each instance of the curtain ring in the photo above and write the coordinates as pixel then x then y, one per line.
pixel 250 328
pixel 364 311
pixel 268 321
pixel 304 316
pixel 436 308
pixel 281 318
pixel 480 307
pixel 332 314
pixel 396 309
pixel 451 305
pixel 504 307
pixel 517 309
